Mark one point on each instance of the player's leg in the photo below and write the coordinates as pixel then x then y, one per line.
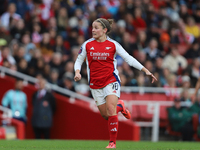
pixel 111 105
pixel 100 101
pixel 102 110
pixel 121 108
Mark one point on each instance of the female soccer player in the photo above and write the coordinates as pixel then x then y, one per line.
pixel 100 52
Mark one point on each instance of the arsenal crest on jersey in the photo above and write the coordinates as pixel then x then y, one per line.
pixel 80 51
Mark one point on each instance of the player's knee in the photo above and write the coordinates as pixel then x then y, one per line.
pixel 111 110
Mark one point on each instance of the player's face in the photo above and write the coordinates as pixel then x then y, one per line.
pixel 97 30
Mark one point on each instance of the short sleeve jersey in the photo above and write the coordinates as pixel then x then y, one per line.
pixel 101 61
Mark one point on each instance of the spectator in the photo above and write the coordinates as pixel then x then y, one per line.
pixel 20 54
pixel 45 47
pixel 174 60
pixel 120 30
pixel 69 67
pixel 158 66
pixel 56 62
pixel 141 56
pixel 22 7
pixel 40 64
pixel 47 71
pixel 141 41
pixel 171 90
pixel 180 120
pixel 128 72
pixel 163 18
pixel 193 71
pixel 22 66
pixel 18 30
pixel 164 44
pixel 67 82
pixel 36 36
pixel 29 47
pixel 53 77
pixel 183 12
pixel 32 65
pixel 6 55
pixel 152 51
pixel 185 81
pixel 3 43
pixel 10 18
pixel 16 100
pixel 174 39
pixel 196 15
pixel 185 97
pixel 44 106
pixel 62 20
pixel 59 46
pixel 138 21
pixel 126 43
pixel 192 28
pixel 194 51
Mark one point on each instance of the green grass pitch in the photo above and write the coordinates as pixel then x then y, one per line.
pixel 93 145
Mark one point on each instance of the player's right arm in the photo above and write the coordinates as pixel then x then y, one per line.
pixel 79 62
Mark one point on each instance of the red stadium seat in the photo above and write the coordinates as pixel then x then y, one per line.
pixel 127 96
pixel 146 97
pixel 135 112
pixel 159 97
pixel 143 114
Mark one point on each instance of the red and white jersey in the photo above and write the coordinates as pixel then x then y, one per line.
pixel 101 62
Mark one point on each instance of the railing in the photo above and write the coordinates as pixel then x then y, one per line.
pixel 7 113
pixel 142 90
pixel 153 107
pixel 127 89
pixel 30 79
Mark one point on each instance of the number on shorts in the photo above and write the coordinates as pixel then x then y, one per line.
pixel 115 86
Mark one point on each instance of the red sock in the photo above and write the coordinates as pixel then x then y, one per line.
pixel 119 108
pixel 113 127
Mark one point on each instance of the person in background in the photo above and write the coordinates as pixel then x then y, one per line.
pixel 175 61
pixel 44 106
pixel 181 120
pixel 10 18
pixel 16 100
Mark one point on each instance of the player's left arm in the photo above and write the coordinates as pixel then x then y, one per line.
pixel 132 61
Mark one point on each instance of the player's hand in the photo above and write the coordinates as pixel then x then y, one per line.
pixel 77 77
pixel 152 76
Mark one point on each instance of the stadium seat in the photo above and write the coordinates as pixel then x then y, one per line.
pixel 195 121
pixel 159 97
pixel 146 97
pixel 135 113
pixel 143 114
pixel 127 96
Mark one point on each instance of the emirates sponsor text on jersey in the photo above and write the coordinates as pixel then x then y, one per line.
pixel 99 56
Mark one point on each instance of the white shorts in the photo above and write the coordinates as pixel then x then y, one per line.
pixel 99 95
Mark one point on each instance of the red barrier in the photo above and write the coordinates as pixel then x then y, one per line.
pixel 2 133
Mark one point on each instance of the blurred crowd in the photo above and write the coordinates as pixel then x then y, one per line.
pixel 43 38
